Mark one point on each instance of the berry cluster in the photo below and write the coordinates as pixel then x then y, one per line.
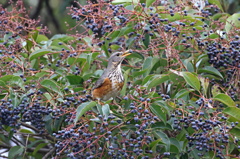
pixel 26 111
pixel 100 24
pixel 209 133
pixel 109 137
pixel 16 26
pixel 226 58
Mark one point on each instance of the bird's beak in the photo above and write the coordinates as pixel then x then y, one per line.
pixel 126 53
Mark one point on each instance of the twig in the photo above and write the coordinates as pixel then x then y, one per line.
pixel 47 136
pixel 49 153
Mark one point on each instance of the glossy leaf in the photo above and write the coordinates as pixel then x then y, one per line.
pixel 149 2
pixel 215 90
pixel 75 80
pixel 15 151
pixel 235 131
pixel 38 147
pixel 106 110
pixel 225 99
pixel 233 112
pixel 156 109
pixel 164 137
pixel 6 78
pixel 51 85
pixel 211 70
pixel 232 21
pixel 183 93
pixel 192 80
pixel 217 3
pixel 124 1
pixel 83 108
pixel 157 80
pixel 147 40
pixel 126 73
pixel 39 53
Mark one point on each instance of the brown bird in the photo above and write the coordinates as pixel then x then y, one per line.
pixel 111 82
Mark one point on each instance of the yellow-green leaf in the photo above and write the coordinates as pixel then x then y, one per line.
pixel 192 80
pixel 225 99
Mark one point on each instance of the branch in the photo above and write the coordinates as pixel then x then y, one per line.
pixel 53 18
pixel 49 153
pixel 47 136
pixel 37 10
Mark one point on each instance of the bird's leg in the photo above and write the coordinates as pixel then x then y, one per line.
pixel 119 106
pixel 100 103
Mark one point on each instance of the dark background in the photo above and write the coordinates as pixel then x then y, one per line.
pixel 54 13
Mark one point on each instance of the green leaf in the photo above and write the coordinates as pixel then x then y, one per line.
pixel 62 37
pixel 41 38
pixel 27 131
pixel 149 2
pixel 232 21
pixel 138 73
pixel 164 137
pixel 156 109
pixel 235 132
pixel 211 70
pixel 34 143
pixel 225 99
pixel 29 45
pixel 192 80
pixel 233 112
pixel 183 93
pixel 49 98
pixel 188 64
pixel 2 83
pixel 106 110
pixel 6 78
pixel 136 55
pixel 175 145
pixel 39 147
pixel 213 36
pixel 147 40
pixel 124 1
pixel 148 64
pixel 72 60
pixel 217 3
pixel 161 126
pixel 126 73
pixel 51 85
pixel 55 45
pixel 157 80
pixel 15 151
pixel 39 53
pixel 215 90
pixel 75 80
pixel 83 108
pixel 35 35
pixel 18 81
pixel 41 74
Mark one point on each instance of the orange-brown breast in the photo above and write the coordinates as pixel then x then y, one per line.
pixel 107 90
pixel 103 89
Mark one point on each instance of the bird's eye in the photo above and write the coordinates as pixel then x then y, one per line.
pixel 118 54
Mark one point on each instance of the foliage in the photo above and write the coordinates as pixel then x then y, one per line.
pixel 181 93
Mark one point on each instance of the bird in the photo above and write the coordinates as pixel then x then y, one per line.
pixel 111 81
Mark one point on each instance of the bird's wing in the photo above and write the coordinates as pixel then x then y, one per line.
pixel 100 81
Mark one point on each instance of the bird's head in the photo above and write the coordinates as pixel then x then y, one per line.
pixel 116 59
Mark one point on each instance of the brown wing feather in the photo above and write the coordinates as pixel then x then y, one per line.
pixel 100 80
pixel 102 89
